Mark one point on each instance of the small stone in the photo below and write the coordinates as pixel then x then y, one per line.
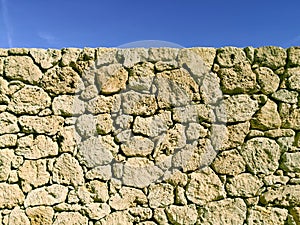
pixel 207 55
pixel 68 139
pixel 70 218
pixel 285 95
pixel 230 56
pixel 6 158
pixel 18 216
pixel 204 186
pixel 131 56
pixel 8 123
pixel 272 180
pixel 141 77
pixel 4 89
pixel 48 195
pixel 293 55
pixel 267 150
pixel 162 54
pixel 89 92
pixel 160 195
pixel 10 196
pixel 196 131
pixel 290 162
pixel 8 140
pixel 96 211
pixel 193 113
pixel 67 105
pixel 267 117
pixel 178 178
pixel 267 216
pixel 160 216
pixel 45 58
pixel 104 123
pixel 267 79
pixel 279 133
pixel 182 215
pixel 99 172
pixel 104 104
pixel 271 56
pixel 118 217
pixel 22 68
pixel 141 213
pixel 40 215
pixel 292 120
pixel 105 56
pixel 69 56
pixel 293 81
pixel 138 146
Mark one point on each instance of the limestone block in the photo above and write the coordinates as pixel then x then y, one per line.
pixel 131 56
pixel 6 158
pixel 160 195
pixel 70 218
pixel 40 215
pixel 182 215
pixel 8 140
pixel 267 216
pixel 45 58
pixel 8 123
pixel 138 146
pixel 271 56
pixel 67 105
pixel 293 81
pixel 10 196
pixel 104 104
pixel 141 77
pixel 285 95
pixel 18 217
pixel 96 211
pixel 292 120
pixel 105 56
pixel 290 162
pixel 230 56
pixel 118 217
pixel 267 79
pixel 294 56
pixel 69 56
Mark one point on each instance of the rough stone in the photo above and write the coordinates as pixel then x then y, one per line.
pixel 292 120
pixel 68 139
pixel 67 105
pixel 8 140
pixel 182 215
pixel 285 95
pixel 141 77
pixel 94 191
pixel 45 58
pixel 279 133
pixel 204 186
pixel 229 163
pixel 48 195
pixel 295 212
pixel 70 218
pixel 207 55
pixel 227 211
pixel 67 171
pixel 29 100
pixel 3 86
pixel 196 131
pixel 36 147
pixel 89 92
pixel 96 211
pixel 290 162
pixel 8 123
pixel 138 146
pixel 104 124
pixel 104 104
pixel 293 55
pixel 119 217
pixel 271 56
pixel 6 158
pixel 230 56
pixel 131 56
pixel 99 172
pixel 267 79
pixel 69 56
pixel 162 54
pixel 193 113
pixel 22 68
pixel 40 215
pixel 10 196
pixel 267 216
pixel 267 117
pixel 160 195
pixel 293 81
pixel 33 173
pixel 105 56
pixel 261 155
pixel 18 217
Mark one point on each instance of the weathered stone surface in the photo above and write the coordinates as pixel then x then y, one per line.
pixel 196 131
pixel 261 155
pixel 285 95
pixel 244 185
pixel 22 68
pixel 227 211
pixel 10 196
pixel 141 77
pixel 33 173
pixel 295 212
pixel 238 79
pixel 229 163
pixel 99 172
pixel 29 100
pixel 96 211
pixel 267 79
pixel 267 117
pixel 206 54
pixel 45 58
pixel 290 162
pixel 238 108
pixel 70 218
pixel 3 86
pixel 67 105
pixel 162 54
pixel 8 140
pixel 105 56
pixel 89 92
pixel 138 146
pixel 67 170
pixel 36 147
pixel 141 214
pixel 293 81
pixel 160 195
pixel 293 55
pixel 193 113
pixel 6 158
pixel 104 123
pixel 267 216
pixel 93 191
pixel 8 123
pixel 182 215
pixel 204 186
pixel 69 56
pixel 119 217
pixel 111 79
pixel 61 81
pixel 18 217
pixel 292 120
pixel 40 215
pixel 104 104
pixel 279 133
pixel 271 56
pixel 48 195
pixel 230 56
pixel 131 56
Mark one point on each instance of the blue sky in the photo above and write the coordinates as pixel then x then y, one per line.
pixel 111 23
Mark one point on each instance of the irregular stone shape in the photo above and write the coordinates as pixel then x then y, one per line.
pixel 261 155
pixel 271 56
pixel 279 133
pixel 287 196
pixel 196 131
pixel 36 147
pixel 105 56
pixel 141 77
pixel 48 195
pixel 267 117
pixel 104 123
pixel 96 211
pixel 160 195
pixel 70 218
pixel 128 197
pixel 227 211
pixel 86 125
pixel 295 212
pixel 111 78
pixel 238 79
pixel 33 173
pixel 67 105
pixel 175 88
pixel 8 123
pixel 230 56
pixel 140 172
pixel 272 180
pixel 162 54
pixel 154 125
pixel 67 139
pixel 205 186
pixel 229 163
pixel 40 215
pixel 69 56
pixel 18 216
pixel 22 68
pixel 293 55
pixel 118 217
pixel 66 170
pixel 10 196
pixel 285 95
pixel 292 120
pixel 3 86
pixel 96 151
pixel 238 108
pixel 134 103
pixel 138 146
pixel 182 215
pixel 267 80
pixel 94 191
pixel 61 81
pixel 45 58
pixel 293 81
pixel 193 113
pixel 290 162
pixel 267 216
pixel 206 54
pixel 99 172
pixel 141 213
pixel 89 92
pixel 6 158
pixel 244 185
pixel 49 125
pixel 29 100
pixel 104 104
pixel 131 56
pixel 8 140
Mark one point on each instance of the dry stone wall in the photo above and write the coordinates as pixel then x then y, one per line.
pixel 150 136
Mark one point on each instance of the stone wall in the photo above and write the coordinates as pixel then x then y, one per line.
pixel 150 136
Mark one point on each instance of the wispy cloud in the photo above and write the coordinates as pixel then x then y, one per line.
pixel 49 38
pixel 6 23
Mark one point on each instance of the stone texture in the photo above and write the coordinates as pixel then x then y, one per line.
pixel 285 95
pixel 96 211
pixel 292 120
pixel 138 146
pixel 267 79
pixel 40 215
pixel 10 196
pixel 260 215
pixel 46 58
pixel 293 55
pixel 117 218
pixel 18 217
pixel 67 105
pixel 293 81
pixel 230 56
pixel 141 77
pixel 290 162
pixel 8 140
pixel 182 215
pixel 160 195
pixel 271 56
pixel 70 218
pixel 6 158
pixel 104 104
pixel 8 123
